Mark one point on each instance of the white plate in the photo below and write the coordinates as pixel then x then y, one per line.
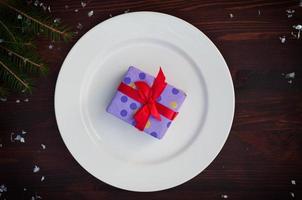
pixel 116 152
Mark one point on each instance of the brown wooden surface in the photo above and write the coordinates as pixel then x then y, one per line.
pixel 264 150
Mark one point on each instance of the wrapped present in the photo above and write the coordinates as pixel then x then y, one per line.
pixel 146 102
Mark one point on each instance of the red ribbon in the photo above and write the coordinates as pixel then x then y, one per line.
pixel 147 96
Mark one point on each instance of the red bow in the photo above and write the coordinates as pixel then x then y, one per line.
pixel 147 96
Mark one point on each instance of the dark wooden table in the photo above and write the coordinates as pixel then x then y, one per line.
pixel 262 158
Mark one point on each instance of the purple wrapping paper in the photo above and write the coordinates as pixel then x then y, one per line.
pixel 125 107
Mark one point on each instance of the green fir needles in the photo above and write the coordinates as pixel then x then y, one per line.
pixel 20 23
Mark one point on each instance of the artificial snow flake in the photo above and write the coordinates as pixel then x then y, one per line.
pixel 293 182
pixel 36 3
pixel 259 12
pixel 48 8
pixel 3 188
pixel 17 101
pixel 126 11
pixel 290 12
pixel 282 39
pixel 42 178
pixel 290 75
pixel 83 4
pixel 292 194
pixel 57 20
pixel 76 10
pixel 90 13
pixel 19 138
pixel 50 46
pixel 66 6
pixel 3 99
pixel 36 169
pixel 224 196
pixel 79 26
pixel 23 132
pixel 19 16
pixel 231 15
pixel 26 100
pixel 43 146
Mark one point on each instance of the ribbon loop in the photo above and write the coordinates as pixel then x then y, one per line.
pixel 147 96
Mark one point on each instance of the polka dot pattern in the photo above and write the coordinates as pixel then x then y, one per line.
pixel 124 99
pixel 127 80
pixel 133 106
pixel 142 75
pixel 175 91
pixel 124 113
pixel 154 134
pixel 168 124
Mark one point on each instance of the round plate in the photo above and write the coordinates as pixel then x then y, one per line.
pixel 112 150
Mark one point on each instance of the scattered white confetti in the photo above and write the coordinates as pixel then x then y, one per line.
pixel 224 196
pixel 259 12
pixel 19 16
pixel 79 26
pixel 290 75
pixel 38 197
pixel 66 6
pixel 36 169
pixel 50 46
pixel 19 138
pixel 3 99
pixel 293 182
pixel 76 10
pixel 90 13
pixel 41 4
pixel 57 20
pixel 23 90
pixel 33 198
pixel 11 136
pixel 44 7
pixel 23 132
pixel 36 3
pixel 292 194
pixel 126 11
pixel 290 12
pixel 299 29
pixel 24 189
pixel 231 15
pixel 282 39
pixel 290 81
pixel 83 4
pixel 110 15
pixel 17 101
pixel 43 146
pixel 3 188
pixel 42 178
pixel 48 8
pixel 26 100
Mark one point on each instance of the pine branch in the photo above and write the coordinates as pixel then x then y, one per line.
pixel 8 31
pixel 25 63
pixel 13 79
pixel 38 24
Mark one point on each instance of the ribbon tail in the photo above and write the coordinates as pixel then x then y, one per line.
pixel 159 84
pixel 141 117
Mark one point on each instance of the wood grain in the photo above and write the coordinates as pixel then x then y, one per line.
pixel 264 150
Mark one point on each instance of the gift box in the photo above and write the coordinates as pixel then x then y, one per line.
pixel 146 102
